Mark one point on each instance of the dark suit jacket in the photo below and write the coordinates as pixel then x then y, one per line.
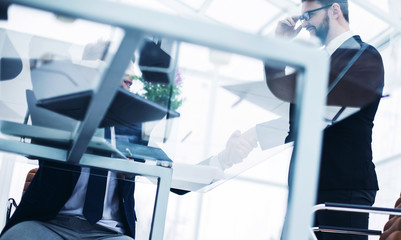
pixel 54 183
pixel 51 188
pixel 346 160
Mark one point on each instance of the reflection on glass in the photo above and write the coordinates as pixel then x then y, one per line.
pixel 226 121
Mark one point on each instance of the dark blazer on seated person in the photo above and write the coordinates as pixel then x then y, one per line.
pixel 54 183
pixel 51 188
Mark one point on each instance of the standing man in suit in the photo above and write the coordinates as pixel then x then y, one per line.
pixel 347 173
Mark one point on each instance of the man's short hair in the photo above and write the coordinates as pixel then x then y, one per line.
pixel 343 5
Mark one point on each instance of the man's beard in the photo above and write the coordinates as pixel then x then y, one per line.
pixel 323 30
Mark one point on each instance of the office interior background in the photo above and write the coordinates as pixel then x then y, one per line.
pixel 251 202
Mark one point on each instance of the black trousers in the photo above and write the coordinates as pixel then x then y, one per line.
pixel 344 219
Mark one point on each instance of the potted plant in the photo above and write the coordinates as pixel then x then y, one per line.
pixel 167 95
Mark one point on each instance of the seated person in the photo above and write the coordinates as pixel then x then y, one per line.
pixel 58 202
pixel 57 205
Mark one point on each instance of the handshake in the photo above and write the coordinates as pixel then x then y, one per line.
pixel 238 147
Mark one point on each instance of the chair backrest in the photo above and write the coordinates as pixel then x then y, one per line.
pixel 29 178
pixel 60 77
pixel 392 229
pixel 11 202
pixel 46 118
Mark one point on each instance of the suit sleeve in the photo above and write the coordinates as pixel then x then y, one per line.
pixel 352 82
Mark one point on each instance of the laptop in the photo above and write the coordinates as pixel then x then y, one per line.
pixel 126 109
pixel 67 89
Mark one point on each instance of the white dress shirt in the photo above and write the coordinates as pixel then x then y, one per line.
pixel 111 217
pixel 332 46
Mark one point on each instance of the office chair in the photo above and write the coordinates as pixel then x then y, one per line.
pixel 391 230
pixel 39 117
pixel 11 201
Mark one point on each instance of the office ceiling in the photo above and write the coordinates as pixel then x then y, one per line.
pixel 368 18
pixel 378 22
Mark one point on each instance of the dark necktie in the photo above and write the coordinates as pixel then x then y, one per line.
pixel 96 189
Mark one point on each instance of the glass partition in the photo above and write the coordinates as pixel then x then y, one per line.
pixel 219 119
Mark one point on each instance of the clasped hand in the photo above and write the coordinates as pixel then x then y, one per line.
pixel 238 147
